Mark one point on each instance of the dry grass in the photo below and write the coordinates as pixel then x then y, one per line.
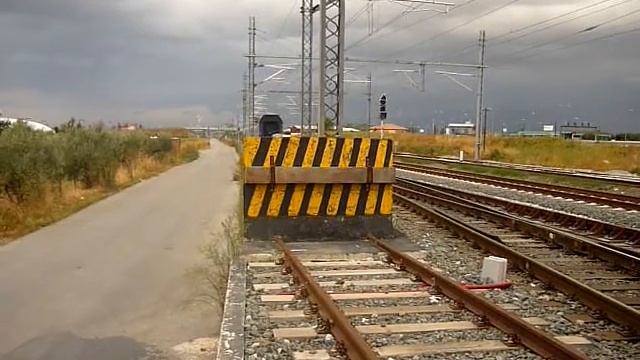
pixel 535 151
pixel 62 200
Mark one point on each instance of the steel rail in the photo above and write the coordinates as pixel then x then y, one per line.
pixel 557 237
pixel 528 335
pixel 600 197
pixel 611 308
pixel 340 326
pixel 622 180
pixel 592 226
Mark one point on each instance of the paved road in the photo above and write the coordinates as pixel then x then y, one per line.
pixel 111 282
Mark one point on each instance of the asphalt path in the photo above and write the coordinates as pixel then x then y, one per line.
pixel 113 280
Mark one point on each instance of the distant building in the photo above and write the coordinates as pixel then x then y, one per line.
pixel 32 124
pixel 466 128
pixel 577 131
pixel 389 128
pixel 127 127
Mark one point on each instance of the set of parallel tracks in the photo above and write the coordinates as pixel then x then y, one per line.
pixel 604 278
pixel 617 179
pixel 467 311
pixel 591 196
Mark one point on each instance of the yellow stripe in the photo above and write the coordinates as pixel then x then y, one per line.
pixel 336 190
pixel 256 201
pixel 370 208
pixel 372 199
pixel 258 195
pixel 318 189
pixel 298 193
pixel 354 194
pixel 386 208
pixel 249 150
pixel 382 152
pixel 278 192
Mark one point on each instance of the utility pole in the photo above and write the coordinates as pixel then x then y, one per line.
pixel 306 93
pixel 332 13
pixel 479 98
pixel 244 103
pixel 369 95
pixel 485 111
pixel 252 75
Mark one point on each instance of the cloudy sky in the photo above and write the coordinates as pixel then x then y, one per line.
pixel 164 62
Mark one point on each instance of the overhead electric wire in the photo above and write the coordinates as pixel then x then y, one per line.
pixel 490 41
pixel 357 14
pixel 604 37
pixel 375 31
pixel 464 23
pixel 588 29
pixel 563 22
pixel 371 36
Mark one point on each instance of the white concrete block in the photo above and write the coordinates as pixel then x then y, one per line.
pixel 494 270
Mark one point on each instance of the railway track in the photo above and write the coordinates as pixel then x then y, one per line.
pixel 386 305
pixel 617 179
pixel 591 196
pixel 603 278
pixel 620 237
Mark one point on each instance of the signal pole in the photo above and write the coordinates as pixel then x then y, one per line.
pixel 383 113
pixel 252 74
pixel 479 98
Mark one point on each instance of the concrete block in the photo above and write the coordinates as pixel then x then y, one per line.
pixel 494 270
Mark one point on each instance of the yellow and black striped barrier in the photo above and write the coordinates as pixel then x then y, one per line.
pixel 318 186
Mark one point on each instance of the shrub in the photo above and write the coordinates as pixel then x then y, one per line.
pixel 25 162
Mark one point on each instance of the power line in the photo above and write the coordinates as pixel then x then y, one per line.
pixel 604 37
pixel 588 29
pixel 562 22
pixel 375 31
pixel 473 46
pixel 464 23
pixel 371 36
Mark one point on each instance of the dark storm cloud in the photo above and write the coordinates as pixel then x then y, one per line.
pixel 163 62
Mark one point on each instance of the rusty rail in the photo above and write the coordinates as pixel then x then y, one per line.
pixel 600 197
pixel 528 335
pixel 340 326
pixel 622 180
pixel 557 237
pixel 566 220
pixel 611 308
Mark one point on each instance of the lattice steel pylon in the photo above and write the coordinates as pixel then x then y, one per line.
pixel 306 91
pixel 332 14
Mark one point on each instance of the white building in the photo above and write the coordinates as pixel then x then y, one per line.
pixel 32 124
pixel 466 128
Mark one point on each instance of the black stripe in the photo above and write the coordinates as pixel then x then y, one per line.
pixel 282 151
pixel 356 151
pixel 387 157
pixel 302 150
pixel 338 152
pixel 317 159
pixel 286 201
pixel 362 199
pixel 249 189
pixel 344 199
pixel 381 188
pixel 263 150
pixel 304 207
pixel 324 203
pixel 267 199
pixel 373 151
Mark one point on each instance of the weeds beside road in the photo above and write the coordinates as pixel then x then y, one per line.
pixel 46 177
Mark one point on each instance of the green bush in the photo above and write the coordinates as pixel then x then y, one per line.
pixel 24 163
pixel 31 160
